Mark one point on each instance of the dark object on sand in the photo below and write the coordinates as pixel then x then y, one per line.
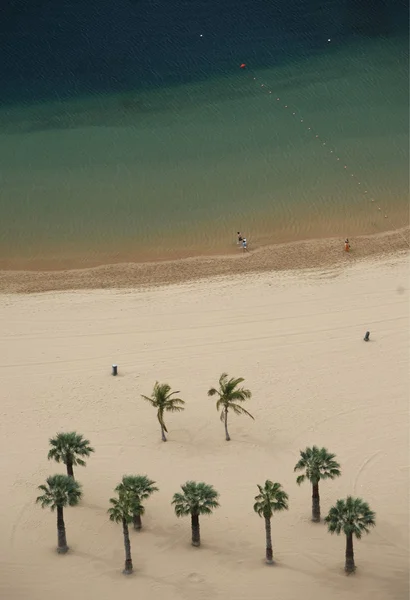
pixel 114 370
pixel 367 336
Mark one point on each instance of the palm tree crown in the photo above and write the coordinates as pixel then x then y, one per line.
pixel 196 499
pixel 142 488
pixel 123 507
pixel 229 394
pixel 140 485
pixel 59 492
pixel 271 498
pixel 161 399
pixel 318 464
pixel 68 448
pixel 352 516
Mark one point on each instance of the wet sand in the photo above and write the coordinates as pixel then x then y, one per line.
pixel 311 254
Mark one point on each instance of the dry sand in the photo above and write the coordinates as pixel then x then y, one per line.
pixel 297 338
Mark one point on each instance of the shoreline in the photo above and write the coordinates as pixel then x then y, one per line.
pixel 300 255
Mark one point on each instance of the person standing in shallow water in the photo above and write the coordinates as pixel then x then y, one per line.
pixel 240 238
pixel 347 245
pixel 244 245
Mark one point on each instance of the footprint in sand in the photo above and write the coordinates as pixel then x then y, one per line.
pixel 195 578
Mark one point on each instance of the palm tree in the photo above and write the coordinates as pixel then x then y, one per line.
pixel 60 491
pixel 271 498
pixel 229 395
pixel 122 511
pixel 318 464
pixel 197 499
pixel 68 448
pixel 142 488
pixel 161 399
pixel 352 517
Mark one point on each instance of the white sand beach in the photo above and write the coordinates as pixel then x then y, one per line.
pixel 297 339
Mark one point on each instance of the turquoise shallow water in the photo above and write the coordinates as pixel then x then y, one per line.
pixel 176 170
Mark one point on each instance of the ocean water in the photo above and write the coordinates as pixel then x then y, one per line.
pixel 130 132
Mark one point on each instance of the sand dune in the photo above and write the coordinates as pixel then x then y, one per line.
pixel 296 337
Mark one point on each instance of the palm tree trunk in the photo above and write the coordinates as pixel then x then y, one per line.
pixel 70 471
pixel 128 560
pixel 62 547
pixel 269 553
pixel 164 439
pixel 196 536
pixel 349 564
pixel 315 503
pixel 228 439
pixel 137 521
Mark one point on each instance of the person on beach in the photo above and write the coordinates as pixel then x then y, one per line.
pixel 244 245
pixel 347 245
pixel 240 238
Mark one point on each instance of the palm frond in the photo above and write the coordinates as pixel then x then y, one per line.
pixel 169 397
pixel 239 410
pixel 240 395
pixel 220 402
pixel 172 408
pixel 152 401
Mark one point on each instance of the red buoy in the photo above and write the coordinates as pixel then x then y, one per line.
pixel 243 65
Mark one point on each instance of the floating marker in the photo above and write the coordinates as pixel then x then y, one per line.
pixel 114 370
